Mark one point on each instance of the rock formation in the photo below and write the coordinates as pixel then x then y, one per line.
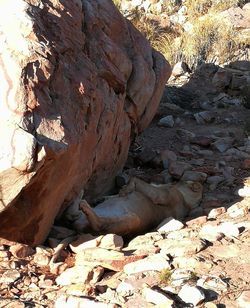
pixel 77 82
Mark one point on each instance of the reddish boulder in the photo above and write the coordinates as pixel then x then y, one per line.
pixel 77 80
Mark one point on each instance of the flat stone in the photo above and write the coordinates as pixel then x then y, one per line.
pixel 10 276
pixel 141 240
pixel 237 210
pixel 229 229
pixel 110 259
pixel 223 144
pixel 191 263
pixel 151 263
pixel 108 241
pixel 216 212
pixel 177 169
pixel 79 274
pixel 125 289
pixel 112 241
pixel 41 259
pixel 204 117
pixel 76 302
pixel 210 305
pixel 194 176
pixel 197 221
pixel 179 235
pixel 187 246
pixel 191 295
pixel 244 299
pixel 180 276
pixel 212 283
pixel 169 224
pixel 211 233
pixel 85 241
pixel 80 289
pixel 157 298
pixel 167 121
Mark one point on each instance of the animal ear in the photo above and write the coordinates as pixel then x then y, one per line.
pixel 196 187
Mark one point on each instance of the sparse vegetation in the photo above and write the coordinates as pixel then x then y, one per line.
pixel 165 276
pixel 209 37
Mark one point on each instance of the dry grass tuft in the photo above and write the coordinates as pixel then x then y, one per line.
pixel 210 38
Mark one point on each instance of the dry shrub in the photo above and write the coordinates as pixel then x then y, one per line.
pixel 117 3
pixel 211 39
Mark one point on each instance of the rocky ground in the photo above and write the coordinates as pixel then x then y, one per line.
pixel 202 261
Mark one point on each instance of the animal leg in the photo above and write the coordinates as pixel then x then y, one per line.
pixel 94 220
pixel 157 194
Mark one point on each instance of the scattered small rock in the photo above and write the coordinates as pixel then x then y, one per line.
pixel 167 121
pixel 177 169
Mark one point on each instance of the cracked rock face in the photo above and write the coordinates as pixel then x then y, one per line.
pixel 77 81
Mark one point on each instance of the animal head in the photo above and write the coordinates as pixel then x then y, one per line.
pixel 192 192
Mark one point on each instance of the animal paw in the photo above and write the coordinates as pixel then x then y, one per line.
pixel 85 207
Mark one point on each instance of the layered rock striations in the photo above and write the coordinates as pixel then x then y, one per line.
pixel 77 82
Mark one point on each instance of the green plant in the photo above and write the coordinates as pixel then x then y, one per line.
pixel 165 276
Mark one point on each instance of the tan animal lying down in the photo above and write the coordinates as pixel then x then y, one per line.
pixel 139 207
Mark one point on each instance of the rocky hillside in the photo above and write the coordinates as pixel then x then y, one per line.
pixel 193 31
pixel 91 92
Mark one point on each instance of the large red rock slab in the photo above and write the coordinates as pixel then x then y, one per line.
pixel 77 82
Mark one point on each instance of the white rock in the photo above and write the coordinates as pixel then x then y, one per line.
pixel 151 263
pixel 237 210
pixel 170 224
pixel 216 212
pixel 76 274
pixel 229 229
pixel 212 283
pixel 211 233
pixel 191 295
pixel 180 68
pixel 125 289
pixel 187 246
pixel 10 276
pixel 112 241
pixel 180 276
pixel 78 302
pixel 244 192
pixel 157 298
pixel 244 299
